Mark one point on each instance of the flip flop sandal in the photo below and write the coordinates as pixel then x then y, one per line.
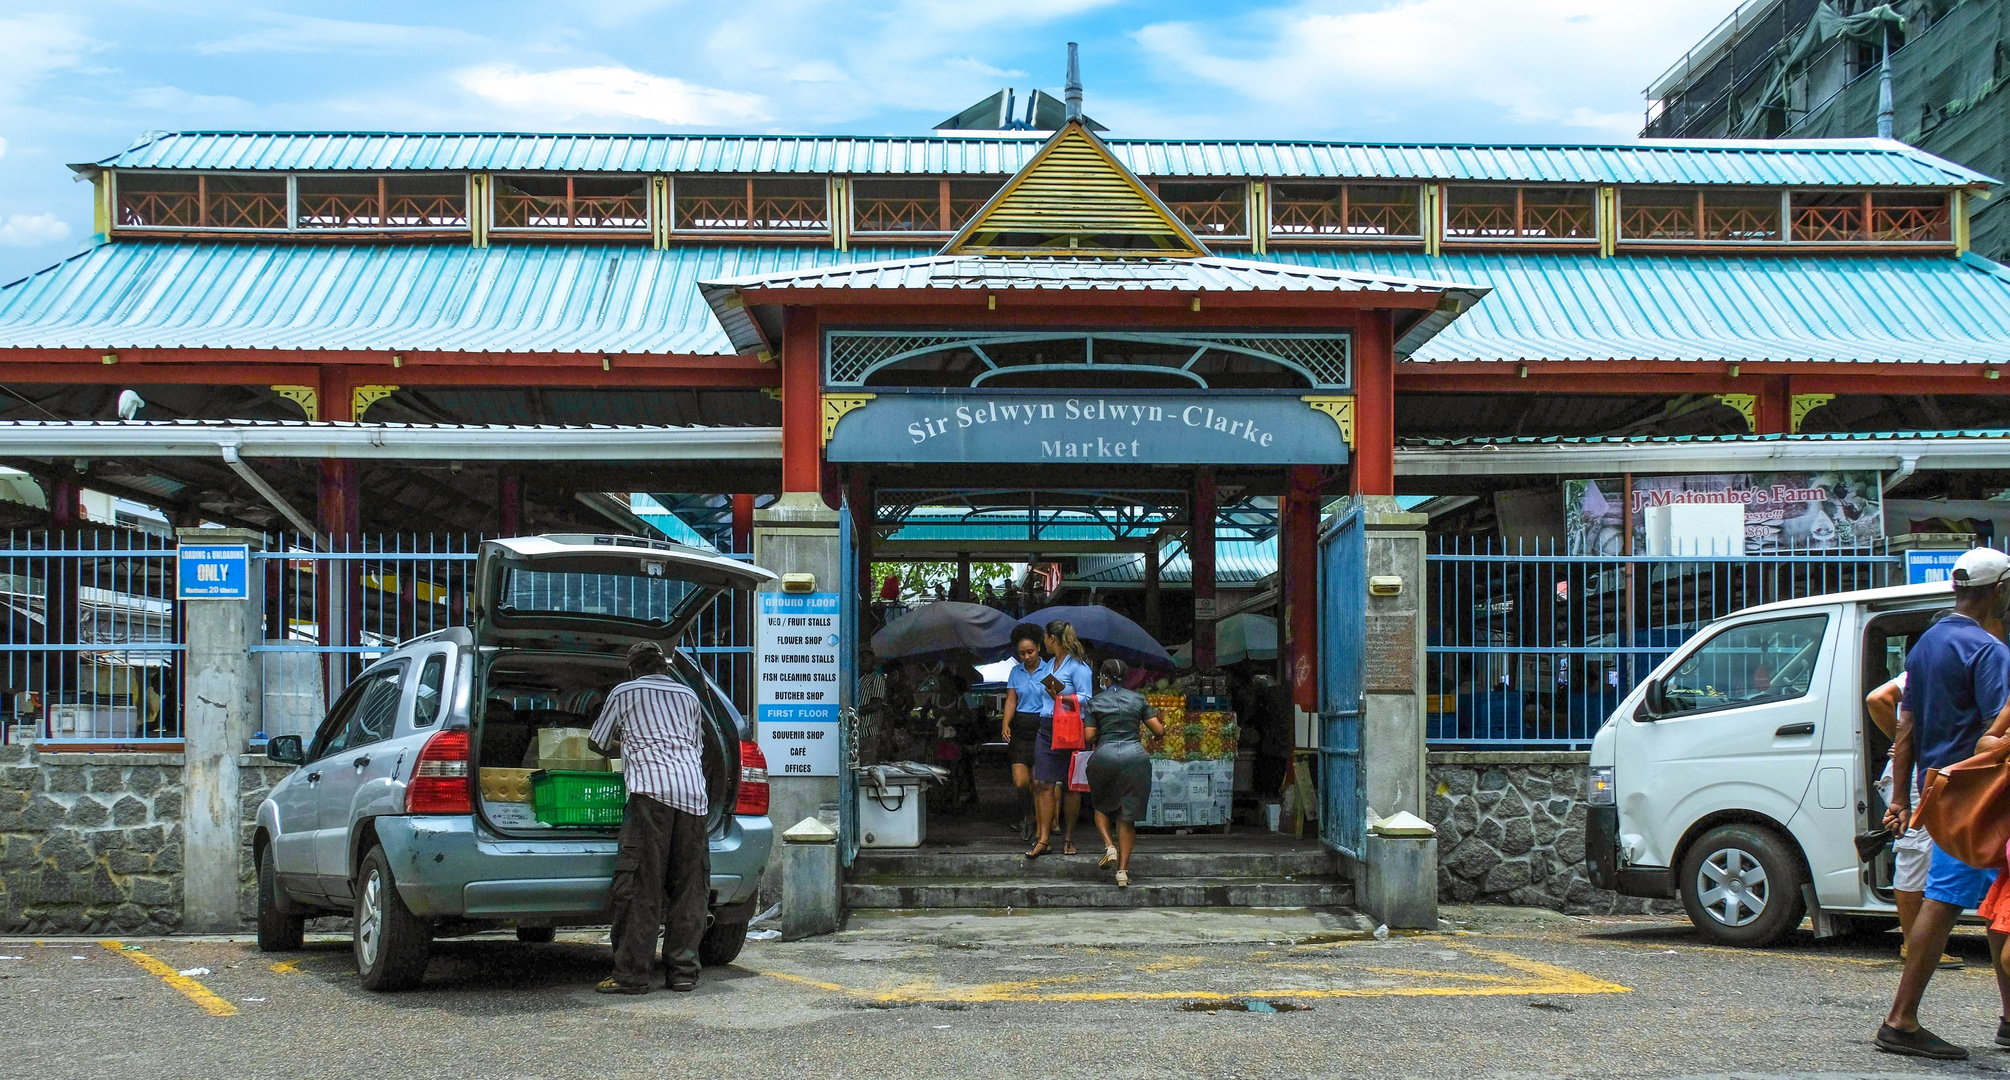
pixel 1039 849
pixel 1068 848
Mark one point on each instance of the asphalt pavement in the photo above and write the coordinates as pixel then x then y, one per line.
pixel 1160 995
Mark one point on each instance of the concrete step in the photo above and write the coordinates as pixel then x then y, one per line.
pixel 1264 865
pixel 909 891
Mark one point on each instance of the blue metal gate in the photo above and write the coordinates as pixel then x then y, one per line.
pixel 848 593
pixel 1343 612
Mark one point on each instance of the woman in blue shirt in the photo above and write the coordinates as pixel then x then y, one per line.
pixel 1068 673
pixel 1027 706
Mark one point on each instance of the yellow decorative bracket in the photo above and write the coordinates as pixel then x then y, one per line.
pixel 835 408
pixel 1338 406
pixel 1746 404
pixel 1802 405
pixel 366 396
pixel 303 396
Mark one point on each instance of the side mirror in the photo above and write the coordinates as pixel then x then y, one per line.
pixel 285 750
pixel 1654 705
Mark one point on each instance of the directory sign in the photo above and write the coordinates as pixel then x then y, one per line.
pixel 796 645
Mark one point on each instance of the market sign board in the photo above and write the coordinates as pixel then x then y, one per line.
pixel 796 644
pixel 1107 428
pixel 1725 514
pixel 213 572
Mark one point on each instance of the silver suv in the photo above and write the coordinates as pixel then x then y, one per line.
pixel 388 820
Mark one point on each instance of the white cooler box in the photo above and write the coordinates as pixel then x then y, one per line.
pixel 895 816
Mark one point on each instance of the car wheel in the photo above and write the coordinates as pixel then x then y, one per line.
pixel 536 935
pixel 1741 885
pixel 721 943
pixel 392 944
pixel 277 931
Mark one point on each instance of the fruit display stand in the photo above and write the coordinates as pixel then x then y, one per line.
pixel 1193 764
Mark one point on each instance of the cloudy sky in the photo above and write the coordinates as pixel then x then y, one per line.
pixel 80 79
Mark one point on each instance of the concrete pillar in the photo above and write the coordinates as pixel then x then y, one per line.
pixel 220 711
pixel 797 534
pixel 1392 684
pixel 809 867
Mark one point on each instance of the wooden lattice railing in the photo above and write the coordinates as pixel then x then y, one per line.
pixel 158 209
pixel 519 210
pixel 1828 223
pixel 1909 223
pixel 897 215
pixel 1212 218
pixel 1330 218
pixel 367 211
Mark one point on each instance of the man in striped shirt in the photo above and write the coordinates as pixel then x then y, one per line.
pixel 662 874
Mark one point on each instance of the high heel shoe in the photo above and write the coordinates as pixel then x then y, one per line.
pixel 1109 858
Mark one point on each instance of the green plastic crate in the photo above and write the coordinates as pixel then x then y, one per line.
pixel 560 797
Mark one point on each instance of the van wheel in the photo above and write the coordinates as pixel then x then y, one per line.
pixel 721 944
pixel 1741 885
pixel 536 935
pixel 277 931
pixel 392 944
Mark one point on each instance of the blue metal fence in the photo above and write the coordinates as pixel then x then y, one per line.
pixel 91 650
pixel 1531 646
pixel 1343 610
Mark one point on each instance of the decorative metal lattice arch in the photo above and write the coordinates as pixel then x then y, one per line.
pixel 853 357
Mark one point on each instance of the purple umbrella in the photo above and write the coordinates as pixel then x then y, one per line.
pixel 1114 634
pixel 943 626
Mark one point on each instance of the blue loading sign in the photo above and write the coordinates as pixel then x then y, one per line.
pixel 214 572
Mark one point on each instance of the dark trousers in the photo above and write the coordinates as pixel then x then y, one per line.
pixel 662 880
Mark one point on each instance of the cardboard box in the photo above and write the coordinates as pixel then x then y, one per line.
pixel 506 785
pixel 569 750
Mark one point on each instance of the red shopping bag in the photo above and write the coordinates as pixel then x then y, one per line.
pixel 1078 771
pixel 1068 724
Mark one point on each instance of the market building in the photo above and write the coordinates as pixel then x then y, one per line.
pixel 1507 422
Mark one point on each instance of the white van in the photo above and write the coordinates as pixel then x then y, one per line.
pixel 1738 774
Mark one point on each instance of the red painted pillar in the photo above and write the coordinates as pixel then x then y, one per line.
pixel 1202 556
pixel 1298 542
pixel 743 524
pixel 509 503
pixel 1769 412
pixel 1375 406
pixel 802 402
pixel 339 515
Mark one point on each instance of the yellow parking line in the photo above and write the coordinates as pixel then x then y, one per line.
pixel 1535 977
pixel 287 967
pixel 194 991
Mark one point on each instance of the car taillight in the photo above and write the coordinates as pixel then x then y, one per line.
pixel 439 783
pixel 753 781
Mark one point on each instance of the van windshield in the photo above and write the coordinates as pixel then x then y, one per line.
pixel 643 598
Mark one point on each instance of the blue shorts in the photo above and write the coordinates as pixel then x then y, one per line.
pixel 1951 881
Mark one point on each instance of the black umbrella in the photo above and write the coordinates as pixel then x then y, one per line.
pixel 943 626
pixel 1116 635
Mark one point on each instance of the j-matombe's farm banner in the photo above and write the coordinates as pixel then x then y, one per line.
pixel 1681 515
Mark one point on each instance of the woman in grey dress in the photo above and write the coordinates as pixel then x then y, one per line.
pixel 1120 771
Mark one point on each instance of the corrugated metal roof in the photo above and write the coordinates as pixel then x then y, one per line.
pixel 1572 307
pixel 1236 562
pixel 1001 274
pixel 508 298
pixel 1765 162
pixel 593 298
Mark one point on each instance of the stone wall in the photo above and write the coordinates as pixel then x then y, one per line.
pixel 92 843
pixel 1511 831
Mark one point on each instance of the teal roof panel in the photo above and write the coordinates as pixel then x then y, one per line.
pixel 1236 563
pixel 546 298
pixel 1919 310
pixel 1763 162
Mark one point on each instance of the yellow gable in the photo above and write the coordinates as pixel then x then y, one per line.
pixel 1075 197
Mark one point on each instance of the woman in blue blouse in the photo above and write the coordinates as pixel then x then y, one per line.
pixel 1027 707
pixel 1067 673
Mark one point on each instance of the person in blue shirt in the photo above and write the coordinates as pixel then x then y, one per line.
pixel 1027 706
pixel 1957 687
pixel 1068 673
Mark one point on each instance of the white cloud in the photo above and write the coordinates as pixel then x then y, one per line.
pixel 33 47
pixel 32 230
pixel 612 92
pixel 308 34
pixel 1572 63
